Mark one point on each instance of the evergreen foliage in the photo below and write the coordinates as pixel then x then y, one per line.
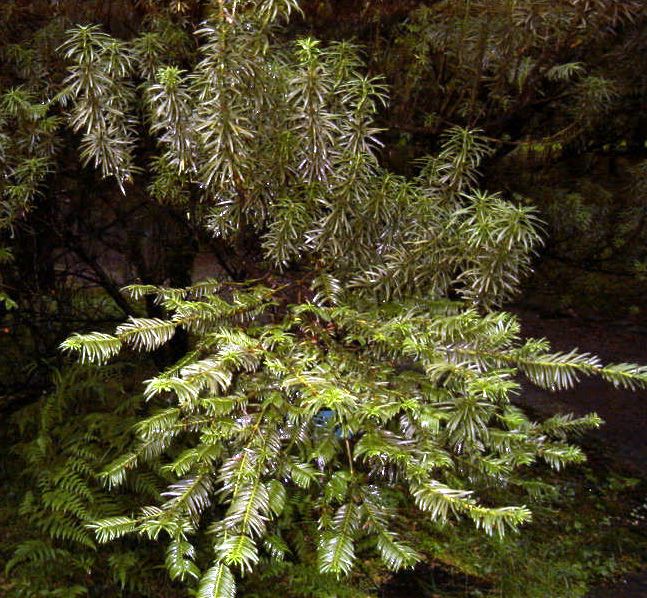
pixel 336 407
pixel 285 140
pixel 554 86
pixel 349 359
pixel 487 63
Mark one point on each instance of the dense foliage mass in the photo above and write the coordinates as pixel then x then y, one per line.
pixel 348 361
pixel 555 87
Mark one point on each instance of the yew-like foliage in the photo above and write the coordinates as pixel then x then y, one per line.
pixel 391 374
pixel 335 407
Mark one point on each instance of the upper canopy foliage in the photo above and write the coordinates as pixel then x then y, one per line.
pixel 370 361
pixel 548 70
pixel 279 139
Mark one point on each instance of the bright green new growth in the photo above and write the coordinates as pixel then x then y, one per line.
pixel 379 382
pixel 340 404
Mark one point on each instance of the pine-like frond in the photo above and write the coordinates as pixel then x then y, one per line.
pixel 565 425
pixel 112 528
pixel 375 389
pixel 191 494
pixel 395 553
pixel 96 347
pixel 625 375
pixel 115 473
pixel 179 561
pixel 441 500
pixel 146 334
pixel 249 509
pixel 238 550
pixel 217 582
pixel 336 550
pixel 495 520
pixel 137 291
pixel 558 371
pixel 559 455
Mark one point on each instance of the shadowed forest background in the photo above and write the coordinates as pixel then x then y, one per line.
pixel 337 275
